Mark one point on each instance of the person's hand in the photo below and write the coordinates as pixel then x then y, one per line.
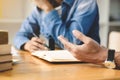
pixel 35 44
pixel 44 5
pixel 89 51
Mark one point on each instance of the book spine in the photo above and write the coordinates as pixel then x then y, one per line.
pixel 5 66
pixel 3 37
pixel 5 58
pixel 5 54
pixel 5 70
pixel 5 49
pixel 6 62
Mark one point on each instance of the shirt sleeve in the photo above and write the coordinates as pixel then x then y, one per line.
pixel 28 27
pixel 84 17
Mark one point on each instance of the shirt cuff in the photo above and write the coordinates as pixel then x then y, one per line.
pixel 20 44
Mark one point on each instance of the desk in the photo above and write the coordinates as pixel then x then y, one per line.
pixel 32 68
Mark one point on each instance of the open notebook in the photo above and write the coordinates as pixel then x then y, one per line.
pixel 55 56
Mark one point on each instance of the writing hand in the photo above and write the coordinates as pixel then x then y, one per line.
pixel 35 44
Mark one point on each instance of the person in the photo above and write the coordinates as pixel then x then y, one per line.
pixel 89 51
pixel 59 19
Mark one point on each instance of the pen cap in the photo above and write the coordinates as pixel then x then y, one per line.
pixel 51 43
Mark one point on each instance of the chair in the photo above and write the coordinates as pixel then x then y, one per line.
pixel 114 40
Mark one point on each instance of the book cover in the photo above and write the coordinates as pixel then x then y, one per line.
pixel 3 37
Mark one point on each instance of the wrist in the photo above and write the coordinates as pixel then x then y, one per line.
pixel 22 47
pixel 103 55
pixel 25 47
pixel 110 60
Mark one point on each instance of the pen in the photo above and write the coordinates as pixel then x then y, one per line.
pixel 41 43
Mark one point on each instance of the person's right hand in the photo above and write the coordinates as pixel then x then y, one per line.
pixel 35 44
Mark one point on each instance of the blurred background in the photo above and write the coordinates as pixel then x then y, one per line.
pixel 13 12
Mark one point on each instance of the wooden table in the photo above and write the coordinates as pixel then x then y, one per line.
pixel 32 68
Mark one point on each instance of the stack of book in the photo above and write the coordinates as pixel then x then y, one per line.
pixel 5 52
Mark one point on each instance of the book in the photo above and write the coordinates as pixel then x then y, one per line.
pixel 5 58
pixel 5 66
pixel 5 49
pixel 3 37
pixel 55 56
pixel 5 52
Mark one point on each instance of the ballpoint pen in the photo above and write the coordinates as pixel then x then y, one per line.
pixel 41 43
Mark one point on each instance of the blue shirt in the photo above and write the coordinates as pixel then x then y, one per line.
pixel 79 15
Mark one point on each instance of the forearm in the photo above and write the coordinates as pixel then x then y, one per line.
pixel 19 40
pixel 28 27
pixel 117 59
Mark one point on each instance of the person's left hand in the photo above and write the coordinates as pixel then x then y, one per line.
pixel 44 5
pixel 90 51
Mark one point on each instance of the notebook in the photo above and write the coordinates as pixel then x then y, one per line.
pixel 55 56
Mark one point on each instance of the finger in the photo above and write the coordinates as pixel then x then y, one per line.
pixel 34 48
pixel 69 46
pixel 38 40
pixel 62 39
pixel 39 45
pixel 81 36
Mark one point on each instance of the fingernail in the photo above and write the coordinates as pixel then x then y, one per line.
pixel 59 36
pixel 74 31
pixel 46 48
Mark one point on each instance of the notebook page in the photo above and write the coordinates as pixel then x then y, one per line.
pixel 57 55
